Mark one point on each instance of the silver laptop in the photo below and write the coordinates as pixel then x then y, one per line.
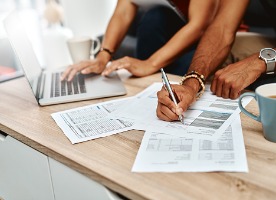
pixel 46 85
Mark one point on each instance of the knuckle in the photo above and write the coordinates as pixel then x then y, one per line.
pixel 217 74
pixel 126 59
pixel 158 113
pixel 221 79
pixel 159 94
pixel 74 71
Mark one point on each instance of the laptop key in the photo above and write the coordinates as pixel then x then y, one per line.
pixel 63 88
pixel 57 85
pixel 52 86
pixel 69 88
pixel 75 85
pixel 82 84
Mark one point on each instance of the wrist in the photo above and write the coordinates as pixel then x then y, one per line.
pixel 107 53
pixel 195 81
pixel 262 66
pixel 193 84
pixel 153 63
pixel 104 57
pixel 257 64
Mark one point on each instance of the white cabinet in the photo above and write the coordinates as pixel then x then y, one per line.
pixel 71 185
pixel 27 174
pixel 24 172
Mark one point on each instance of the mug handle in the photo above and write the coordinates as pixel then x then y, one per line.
pixel 95 49
pixel 252 94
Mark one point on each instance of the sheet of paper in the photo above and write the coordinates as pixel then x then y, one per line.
pixel 165 152
pixel 207 118
pixel 91 122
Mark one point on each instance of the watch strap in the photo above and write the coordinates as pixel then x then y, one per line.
pixel 270 66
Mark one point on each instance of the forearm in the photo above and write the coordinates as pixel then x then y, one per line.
pixel 175 47
pixel 216 43
pixel 119 24
pixel 188 34
pixel 212 50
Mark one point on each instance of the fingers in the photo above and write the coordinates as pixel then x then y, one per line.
pixel 216 83
pixel 225 85
pixel 109 69
pixel 220 86
pixel 164 113
pixel 166 109
pixel 69 73
pixel 235 93
pixel 115 65
pixel 85 67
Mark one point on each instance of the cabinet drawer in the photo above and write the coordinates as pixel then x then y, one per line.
pixel 70 185
pixel 24 172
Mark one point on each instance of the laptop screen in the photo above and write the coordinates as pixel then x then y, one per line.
pixel 22 46
pixel 10 67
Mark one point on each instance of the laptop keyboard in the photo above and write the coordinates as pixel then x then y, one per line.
pixel 64 88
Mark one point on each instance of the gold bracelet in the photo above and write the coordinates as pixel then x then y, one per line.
pixel 197 76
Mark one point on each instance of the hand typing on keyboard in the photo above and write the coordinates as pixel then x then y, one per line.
pixel 63 87
pixel 96 65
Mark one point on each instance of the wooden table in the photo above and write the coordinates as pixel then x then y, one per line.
pixel 109 160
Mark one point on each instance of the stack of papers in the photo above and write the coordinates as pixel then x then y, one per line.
pixel 210 139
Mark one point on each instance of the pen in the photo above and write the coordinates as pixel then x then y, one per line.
pixel 168 87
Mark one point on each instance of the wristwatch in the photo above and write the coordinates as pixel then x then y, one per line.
pixel 269 56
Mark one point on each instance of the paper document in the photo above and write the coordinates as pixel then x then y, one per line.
pixel 207 118
pixel 210 139
pixel 166 152
pixel 90 122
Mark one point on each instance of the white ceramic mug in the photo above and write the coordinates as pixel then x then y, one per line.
pixel 83 48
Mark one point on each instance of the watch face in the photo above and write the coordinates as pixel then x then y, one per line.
pixel 268 53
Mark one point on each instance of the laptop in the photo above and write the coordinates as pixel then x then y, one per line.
pixel 9 65
pixel 45 84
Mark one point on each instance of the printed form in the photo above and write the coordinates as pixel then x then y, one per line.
pixel 91 122
pixel 207 118
pixel 163 152
pixel 210 139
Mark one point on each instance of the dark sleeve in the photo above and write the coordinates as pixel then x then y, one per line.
pixel 270 8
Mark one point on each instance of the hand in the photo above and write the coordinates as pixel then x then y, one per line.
pixel 231 80
pixel 167 110
pixel 136 67
pixel 85 67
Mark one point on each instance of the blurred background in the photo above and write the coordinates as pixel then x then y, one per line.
pixel 49 23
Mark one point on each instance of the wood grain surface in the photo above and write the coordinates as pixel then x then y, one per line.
pixel 109 160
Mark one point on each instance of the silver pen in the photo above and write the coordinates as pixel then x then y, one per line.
pixel 168 87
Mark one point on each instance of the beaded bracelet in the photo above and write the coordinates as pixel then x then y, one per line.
pixel 107 51
pixel 197 76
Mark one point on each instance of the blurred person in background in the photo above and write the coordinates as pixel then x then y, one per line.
pixel 164 39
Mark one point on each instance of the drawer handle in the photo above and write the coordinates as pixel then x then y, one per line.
pixel 2 138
